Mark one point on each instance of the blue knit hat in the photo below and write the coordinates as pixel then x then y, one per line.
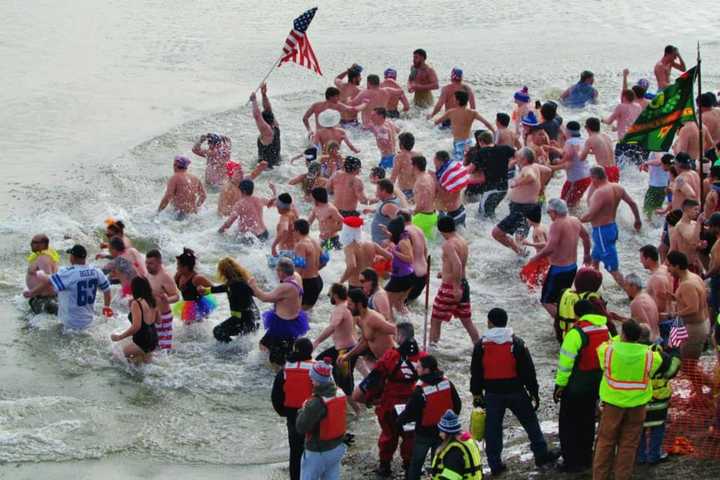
pixel 390 73
pixel 321 371
pixel 522 95
pixel 530 120
pixel 450 423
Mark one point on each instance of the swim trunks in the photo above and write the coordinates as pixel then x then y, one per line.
pixel 392 114
pixel 423 99
pixel 572 192
pixel 332 243
pixel 342 372
pixel 445 305
pixel 693 347
pixel 457 215
pixel 515 220
pixel 446 124
pixel 417 288
pixel 312 288
pixel 40 305
pixel 654 199
pixel 273 259
pixel 250 240
pixel 387 161
pixel 349 123
pixel 459 148
pixel 558 279
pixel 349 213
pixel 400 284
pixel 612 173
pixel 603 239
pixel 426 222
pixel 490 198
pixel 164 329
pixel 409 194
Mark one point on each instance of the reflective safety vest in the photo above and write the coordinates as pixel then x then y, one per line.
pixel 566 307
pixel 472 469
pixel 592 336
pixel 297 385
pixel 333 426
pixel 438 400
pixel 626 373
pixel 498 361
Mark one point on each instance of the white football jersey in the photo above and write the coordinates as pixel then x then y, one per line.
pixel 77 286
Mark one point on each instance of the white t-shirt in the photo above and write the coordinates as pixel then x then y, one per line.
pixel 76 287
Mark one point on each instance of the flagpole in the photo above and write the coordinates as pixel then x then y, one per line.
pixel 267 75
pixel 700 129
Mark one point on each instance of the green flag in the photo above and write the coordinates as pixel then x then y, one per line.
pixel 657 125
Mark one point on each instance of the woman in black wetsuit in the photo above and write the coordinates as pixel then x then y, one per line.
pixel 244 314
pixel 269 139
pixel 143 315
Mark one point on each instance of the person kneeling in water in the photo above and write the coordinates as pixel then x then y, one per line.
pixel 287 321
pixel 143 315
pixel 244 315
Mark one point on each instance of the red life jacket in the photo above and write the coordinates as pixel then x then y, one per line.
pixel 333 425
pixel 498 361
pixel 297 386
pixel 593 337
pixel 438 400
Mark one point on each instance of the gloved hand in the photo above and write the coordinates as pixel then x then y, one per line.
pixel 479 401
pixel 535 402
pixel 107 312
pixel 557 393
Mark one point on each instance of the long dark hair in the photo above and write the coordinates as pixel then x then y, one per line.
pixel 141 289
pixel 187 258
pixel 396 227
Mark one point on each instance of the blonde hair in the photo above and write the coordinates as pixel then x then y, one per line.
pixel 231 271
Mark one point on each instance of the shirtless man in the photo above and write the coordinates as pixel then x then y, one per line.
pixel 328 217
pixel 461 120
pixel 685 236
pixel 230 192
pixel 249 213
pixel 348 91
pixel 524 195
pixel 449 202
pixel 504 135
pixel 342 330
pixel 422 80
pixel 348 188
pixel 184 190
pixel 687 184
pixel 385 133
pixel 287 320
pixel 453 298
pixel 659 285
pixel 692 309
pixel 603 201
pixel 420 254
pixel 710 115
pixel 671 59
pixel 285 237
pixel 687 141
pixel 126 264
pixel 424 193
pixel 309 251
pixel 403 173
pixel 390 80
pixel 447 99
pixel 165 292
pixel 217 154
pixel 332 102
pixel 624 114
pixel 378 334
pixel 642 306
pixel 46 260
pixel 601 146
pixel 561 248
pixel 373 97
pixel 328 132
pixel 713 271
pixel 359 253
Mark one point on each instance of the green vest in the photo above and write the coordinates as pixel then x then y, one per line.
pixel 566 307
pixel 471 455
pixel 627 368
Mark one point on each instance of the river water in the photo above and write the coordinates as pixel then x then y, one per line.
pixel 98 96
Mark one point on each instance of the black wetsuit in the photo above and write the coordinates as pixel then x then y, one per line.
pixel 244 317
pixel 270 153
pixel 146 338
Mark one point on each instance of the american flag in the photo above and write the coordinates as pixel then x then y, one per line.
pixel 297 47
pixel 678 334
pixel 452 176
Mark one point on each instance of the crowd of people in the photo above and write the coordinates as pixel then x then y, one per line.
pixel 623 361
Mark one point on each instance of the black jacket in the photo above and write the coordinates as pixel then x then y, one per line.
pixel 526 379
pixel 416 404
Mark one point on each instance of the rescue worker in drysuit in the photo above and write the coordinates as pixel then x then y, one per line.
pixel 391 383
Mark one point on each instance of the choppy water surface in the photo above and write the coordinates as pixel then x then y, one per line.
pixel 99 96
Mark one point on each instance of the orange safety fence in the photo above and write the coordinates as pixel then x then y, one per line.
pixel 693 423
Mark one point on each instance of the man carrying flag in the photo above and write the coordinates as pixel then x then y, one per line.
pixel 452 178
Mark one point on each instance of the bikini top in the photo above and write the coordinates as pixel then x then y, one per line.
pixel 188 290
